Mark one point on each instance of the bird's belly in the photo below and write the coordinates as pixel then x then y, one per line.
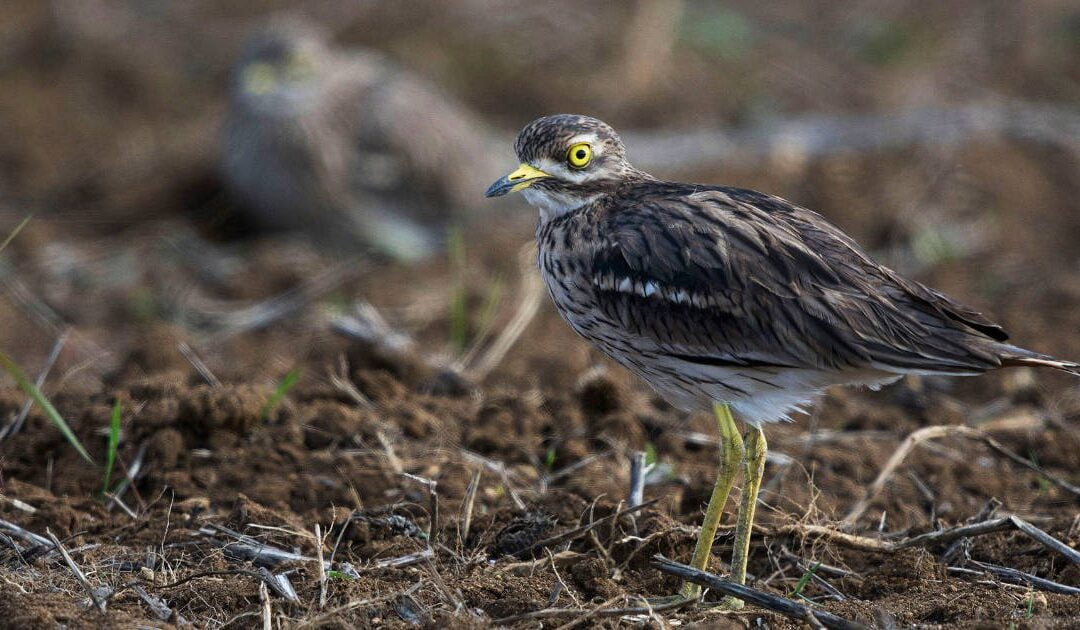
pixel 679 384
pixel 757 394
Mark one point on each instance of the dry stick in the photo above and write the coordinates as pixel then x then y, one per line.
pixel 930 433
pixel 403 561
pixel 264 597
pixel 357 603
pixel 202 574
pixel 547 613
pixel 391 456
pixel 532 292
pixel 782 605
pixel 341 533
pixel 249 548
pixel 132 473
pixel 637 478
pixel 321 566
pixel 821 566
pixel 19 505
pixel 16 425
pixel 499 469
pixel 581 531
pixel 25 534
pixel 997 447
pixel 278 583
pixel 530 567
pixel 891 465
pixel 198 364
pixel 157 605
pixel 239 320
pixel 588 613
pixel 367 324
pixel 865 543
pixel 79 575
pixel 1015 575
pixel 548 480
pixel 954 533
pixel 944 536
pixel 117 501
pixel 433 497
pixel 467 507
pixel 1045 539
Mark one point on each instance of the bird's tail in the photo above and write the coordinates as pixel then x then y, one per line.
pixel 1014 356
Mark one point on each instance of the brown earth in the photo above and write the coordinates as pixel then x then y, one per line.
pixel 378 445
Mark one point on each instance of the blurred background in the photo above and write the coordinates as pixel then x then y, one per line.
pixel 185 162
pixel 205 203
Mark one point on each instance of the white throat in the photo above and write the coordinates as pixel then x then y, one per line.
pixel 553 205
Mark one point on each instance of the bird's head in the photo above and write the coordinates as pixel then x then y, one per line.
pixel 280 63
pixel 567 161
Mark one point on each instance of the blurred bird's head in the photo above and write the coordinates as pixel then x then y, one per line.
pixel 280 65
pixel 567 161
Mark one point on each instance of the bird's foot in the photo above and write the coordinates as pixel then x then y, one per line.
pixel 693 592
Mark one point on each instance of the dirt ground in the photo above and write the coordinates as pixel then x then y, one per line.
pixel 440 490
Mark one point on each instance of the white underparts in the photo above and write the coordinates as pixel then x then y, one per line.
pixel 552 205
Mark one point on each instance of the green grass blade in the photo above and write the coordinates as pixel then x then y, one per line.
pixel 15 232
pixel 35 394
pixel 283 388
pixel 114 443
pixel 804 580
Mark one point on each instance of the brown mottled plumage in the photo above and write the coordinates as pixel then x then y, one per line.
pixel 729 297
pixel 725 294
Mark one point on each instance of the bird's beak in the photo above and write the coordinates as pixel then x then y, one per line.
pixel 520 179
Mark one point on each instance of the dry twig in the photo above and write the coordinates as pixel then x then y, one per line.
pixel 198 364
pixel 264 597
pixel 79 575
pixel 637 479
pixel 599 611
pixel 467 507
pixel 782 605
pixel 531 295
pixel 930 433
pixel 1020 577
pixel 581 531
pixel 321 566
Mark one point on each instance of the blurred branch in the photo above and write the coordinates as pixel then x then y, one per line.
pixel 795 141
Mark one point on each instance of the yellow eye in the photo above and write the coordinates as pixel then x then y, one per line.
pixel 579 155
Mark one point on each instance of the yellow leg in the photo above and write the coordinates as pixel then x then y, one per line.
pixel 753 472
pixel 731 453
